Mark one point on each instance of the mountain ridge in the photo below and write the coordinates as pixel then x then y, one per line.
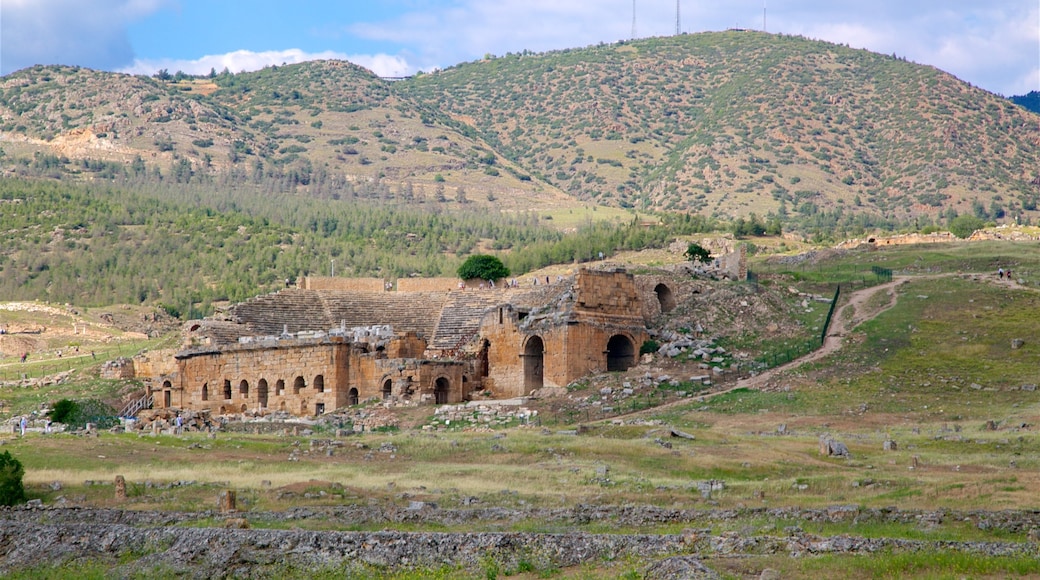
pixel 721 124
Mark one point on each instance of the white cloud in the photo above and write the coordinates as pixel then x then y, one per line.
pixel 246 60
pixel 90 33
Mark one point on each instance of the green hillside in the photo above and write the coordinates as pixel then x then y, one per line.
pixel 187 246
pixel 734 122
pixel 722 124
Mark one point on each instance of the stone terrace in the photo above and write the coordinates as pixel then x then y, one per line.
pixel 297 310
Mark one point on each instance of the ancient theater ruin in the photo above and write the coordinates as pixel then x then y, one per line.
pixel 336 342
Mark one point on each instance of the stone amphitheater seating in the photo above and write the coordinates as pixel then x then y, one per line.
pixel 296 310
pixel 443 318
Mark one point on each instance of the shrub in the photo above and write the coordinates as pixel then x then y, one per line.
pixel 63 411
pixel 963 226
pixel 484 267
pixel 11 472
pixel 697 253
pixel 650 346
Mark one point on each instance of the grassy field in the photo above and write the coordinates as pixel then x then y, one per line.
pixel 937 373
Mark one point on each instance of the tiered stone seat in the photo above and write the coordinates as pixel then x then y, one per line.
pixel 460 317
pixel 271 314
pixel 296 310
pixel 405 311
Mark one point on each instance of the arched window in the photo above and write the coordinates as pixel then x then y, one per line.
pixel 319 384
pixel 261 393
pixel 205 391
pixel 387 388
pixel 665 297
pixel 298 385
pixel 243 388
pixel 227 390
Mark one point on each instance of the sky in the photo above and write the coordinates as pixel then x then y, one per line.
pixel 992 44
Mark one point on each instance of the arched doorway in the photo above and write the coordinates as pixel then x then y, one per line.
pixel 621 353
pixel 319 383
pixel 665 297
pixel 440 391
pixel 352 396
pixel 388 387
pixel 534 364
pixel 227 390
pixel 279 388
pixel 167 394
pixel 298 385
pixel 243 389
pixel 261 393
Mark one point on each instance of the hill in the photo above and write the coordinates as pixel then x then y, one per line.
pixel 723 124
pixel 1030 101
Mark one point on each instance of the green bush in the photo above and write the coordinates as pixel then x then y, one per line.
pixel 11 472
pixel 484 267
pixel 63 411
pixel 963 226
pixel 649 347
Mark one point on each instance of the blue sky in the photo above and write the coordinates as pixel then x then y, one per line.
pixel 994 44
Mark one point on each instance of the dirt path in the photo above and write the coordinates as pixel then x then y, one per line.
pixel 847 317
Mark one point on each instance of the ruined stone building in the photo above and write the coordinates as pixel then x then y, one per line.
pixel 331 343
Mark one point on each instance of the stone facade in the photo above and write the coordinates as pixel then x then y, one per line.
pixel 411 347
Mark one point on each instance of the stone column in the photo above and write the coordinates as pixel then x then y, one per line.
pixel 227 501
pixel 120 488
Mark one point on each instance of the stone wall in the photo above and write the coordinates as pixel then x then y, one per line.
pixel 312 376
pixel 427 284
pixel 134 543
pixel 344 284
pixel 155 363
pixel 601 329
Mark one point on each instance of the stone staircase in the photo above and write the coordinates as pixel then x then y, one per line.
pixel 459 320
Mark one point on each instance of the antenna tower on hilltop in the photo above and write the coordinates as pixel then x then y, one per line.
pixel 678 20
pixel 633 19
pixel 764 15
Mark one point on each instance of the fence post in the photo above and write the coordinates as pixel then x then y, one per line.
pixel 830 313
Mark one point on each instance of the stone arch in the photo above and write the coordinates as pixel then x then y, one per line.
pixel 388 388
pixel 534 364
pixel 261 393
pixel 621 353
pixel 205 391
pixel 243 388
pixel 665 297
pixel 279 388
pixel 227 390
pixel 223 410
pixel 298 385
pixel 352 396
pixel 319 383
pixel 441 390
